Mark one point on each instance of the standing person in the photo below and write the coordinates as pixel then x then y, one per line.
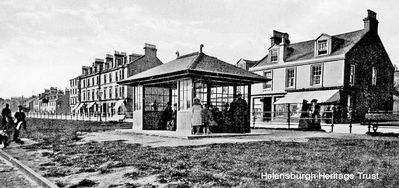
pixel 21 123
pixel 315 116
pixel 166 116
pixel 242 125
pixel 174 117
pixel 217 120
pixel 154 106
pixel 196 119
pixel 206 118
pixel 226 118
pixel 304 118
pixel 6 112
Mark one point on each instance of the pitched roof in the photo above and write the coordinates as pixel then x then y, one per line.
pixel 198 64
pixel 250 63
pixel 305 50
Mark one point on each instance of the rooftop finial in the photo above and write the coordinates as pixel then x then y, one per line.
pixel 201 46
pixel 177 53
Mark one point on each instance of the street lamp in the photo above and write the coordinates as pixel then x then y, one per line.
pixel 99 94
pixel 99 91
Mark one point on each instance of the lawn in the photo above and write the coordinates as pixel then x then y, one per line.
pixel 225 165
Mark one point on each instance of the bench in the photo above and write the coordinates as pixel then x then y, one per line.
pixel 117 118
pixel 376 119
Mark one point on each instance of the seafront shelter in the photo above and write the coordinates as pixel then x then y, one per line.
pixel 179 81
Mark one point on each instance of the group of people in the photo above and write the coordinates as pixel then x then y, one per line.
pixel 206 119
pixel 310 116
pixel 10 128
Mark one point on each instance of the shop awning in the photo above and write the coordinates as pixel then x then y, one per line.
pixel 118 104
pixel 79 106
pixel 90 104
pixel 75 106
pixel 322 96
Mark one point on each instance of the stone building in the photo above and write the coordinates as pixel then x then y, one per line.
pixel 96 90
pixel 350 71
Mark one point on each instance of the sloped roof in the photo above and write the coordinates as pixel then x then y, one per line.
pixel 305 50
pixel 250 63
pixel 195 64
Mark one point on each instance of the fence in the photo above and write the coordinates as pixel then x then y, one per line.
pixel 81 117
pixel 287 119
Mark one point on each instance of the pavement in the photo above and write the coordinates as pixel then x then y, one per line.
pixel 11 176
pixel 165 140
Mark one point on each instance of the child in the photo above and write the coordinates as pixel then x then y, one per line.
pixel 206 118
pixel 196 120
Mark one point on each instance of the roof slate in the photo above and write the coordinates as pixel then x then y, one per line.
pixel 195 62
pixel 305 50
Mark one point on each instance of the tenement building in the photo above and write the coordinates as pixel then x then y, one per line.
pixel 52 101
pixel 349 72
pixel 96 91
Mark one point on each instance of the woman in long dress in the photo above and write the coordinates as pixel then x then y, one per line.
pixel 196 119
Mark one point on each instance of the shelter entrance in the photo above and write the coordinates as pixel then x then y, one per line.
pixel 160 102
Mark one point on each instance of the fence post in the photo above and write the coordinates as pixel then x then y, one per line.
pixel 288 116
pixel 332 121
pixel 253 119
pixel 350 121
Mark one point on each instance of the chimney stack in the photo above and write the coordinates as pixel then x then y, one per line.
pixel 85 70
pixel 279 37
pixel 150 50
pixel 371 22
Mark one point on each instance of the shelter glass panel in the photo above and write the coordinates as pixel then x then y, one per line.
pixel 138 97
pixel 156 98
pixel 185 90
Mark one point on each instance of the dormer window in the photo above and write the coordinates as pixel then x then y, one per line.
pixel 274 55
pixel 322 47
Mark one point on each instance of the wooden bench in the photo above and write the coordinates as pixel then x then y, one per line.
pixel 376 119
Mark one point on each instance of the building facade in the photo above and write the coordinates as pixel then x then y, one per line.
pixel 52 101
pixel 96 90
pixel 351 72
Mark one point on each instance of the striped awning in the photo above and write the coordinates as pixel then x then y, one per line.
pixel 322 96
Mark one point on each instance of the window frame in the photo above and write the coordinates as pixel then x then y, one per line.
pixel 374 76
pixel 293 78
pixel 312 75
pixel 352 75
pixel 271 81
pixel 319 43
pixel 272 59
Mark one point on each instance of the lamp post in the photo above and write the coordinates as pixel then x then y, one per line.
pixel 99 94
pixel 99 91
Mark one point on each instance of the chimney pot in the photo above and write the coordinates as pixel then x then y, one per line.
pixel 371 22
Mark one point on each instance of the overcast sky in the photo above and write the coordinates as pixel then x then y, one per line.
pixel 44 43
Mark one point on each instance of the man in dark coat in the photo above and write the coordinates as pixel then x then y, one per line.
pixel 240 115
pixel 21 123
pixel 166 116
pixel 6 112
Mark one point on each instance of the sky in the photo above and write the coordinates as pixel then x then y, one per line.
pixel 44 43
